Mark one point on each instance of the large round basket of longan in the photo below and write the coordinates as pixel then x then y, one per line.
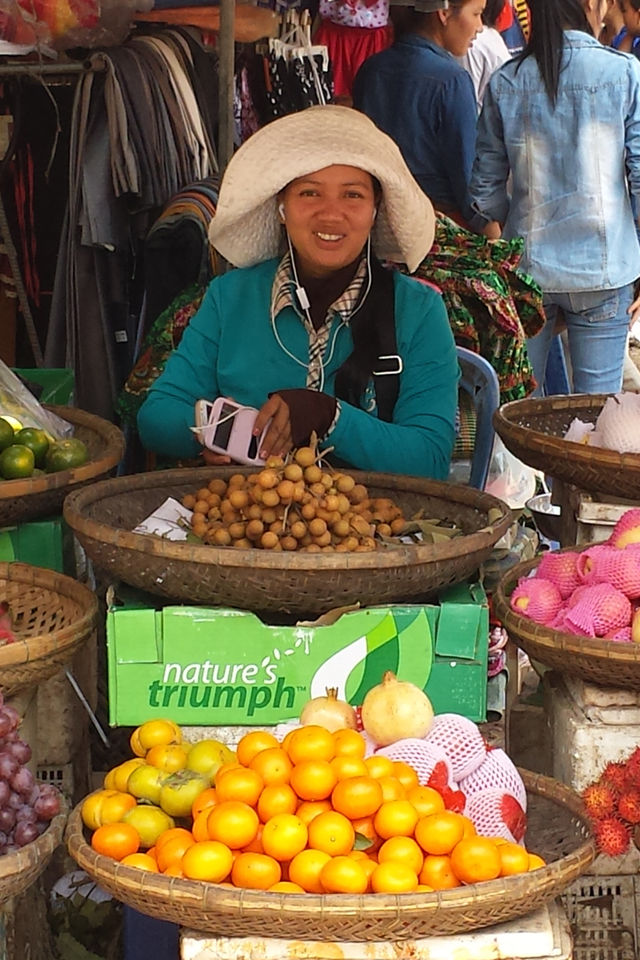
pixel 289 539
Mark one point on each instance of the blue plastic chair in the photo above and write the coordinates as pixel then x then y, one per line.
pixel 479 380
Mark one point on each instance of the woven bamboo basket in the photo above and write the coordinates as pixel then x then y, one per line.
pixel 20 869
pixel 533 430
pixel 39 496
pixel 103 516
pixel 558 831
pixel 599 661
pixel 53 615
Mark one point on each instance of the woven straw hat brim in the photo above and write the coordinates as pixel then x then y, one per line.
pixel 246 228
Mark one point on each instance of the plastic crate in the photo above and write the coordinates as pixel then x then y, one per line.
pixel 60 775
pixel 603 912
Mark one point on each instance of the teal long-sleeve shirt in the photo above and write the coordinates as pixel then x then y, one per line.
pixel 230 349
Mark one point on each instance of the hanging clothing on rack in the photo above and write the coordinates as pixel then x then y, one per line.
pixel 299 72
pixel 141 129
pixel 352 31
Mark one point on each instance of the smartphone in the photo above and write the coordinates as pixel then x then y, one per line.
pixel 226 427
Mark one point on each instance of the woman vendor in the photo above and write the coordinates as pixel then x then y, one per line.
pixel 312 330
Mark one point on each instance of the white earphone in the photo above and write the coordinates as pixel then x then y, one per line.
pixel 281 211
pixel 374 214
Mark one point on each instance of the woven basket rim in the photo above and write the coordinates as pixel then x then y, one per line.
pixel 569 643
pixel 18 870
pixel 402 555
pixel 210 897
pixel 506 423
pixel 115 445
pixel 30 649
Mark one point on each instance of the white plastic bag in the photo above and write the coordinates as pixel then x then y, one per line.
pixel 18 402
pixel 509 479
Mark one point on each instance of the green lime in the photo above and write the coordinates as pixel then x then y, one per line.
pixel 16 461
pixel 6 433
pixel 64 454
pixel 36 440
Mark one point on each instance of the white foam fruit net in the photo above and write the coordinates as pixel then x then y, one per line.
pixel 495 813
pixel 424 757
pixel 461 741
pixel 496 772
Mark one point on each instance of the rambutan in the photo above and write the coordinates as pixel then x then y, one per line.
pixel 599 801
pixel 615 776
pixel 611 836
pixel 629 806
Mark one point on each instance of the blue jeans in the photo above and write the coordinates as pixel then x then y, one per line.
pixel 597 325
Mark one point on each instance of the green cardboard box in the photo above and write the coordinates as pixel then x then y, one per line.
pixel 219 667
pixel 42 543
pixel 57 383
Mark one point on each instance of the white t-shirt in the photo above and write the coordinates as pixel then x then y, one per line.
pixel 486 54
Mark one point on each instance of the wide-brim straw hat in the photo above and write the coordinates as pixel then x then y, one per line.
pixel 246 228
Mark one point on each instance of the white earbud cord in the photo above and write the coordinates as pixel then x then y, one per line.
pixel 305 308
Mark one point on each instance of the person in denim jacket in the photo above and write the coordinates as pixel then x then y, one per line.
pixel 563 119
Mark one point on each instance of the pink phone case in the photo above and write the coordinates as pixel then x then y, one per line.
pixel 226 427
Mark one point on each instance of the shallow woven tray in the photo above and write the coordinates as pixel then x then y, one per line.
pixel 557 831
pixel 35 497
pixel 598 661
pixel 104 514
pixel 53 616
pixel 20 869
pixel 533 431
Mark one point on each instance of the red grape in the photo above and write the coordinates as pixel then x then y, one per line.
pixel 24 833
pixel 22 781
pixel 47 806
pixel 8 766
pixel 20 750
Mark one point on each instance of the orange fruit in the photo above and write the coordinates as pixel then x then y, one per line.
pixel 225 767
pixel 284 836
pixel 357 797
pixel 285 886
pixel 513 859
pixel 142 861
pixel 393 877
pixel 470 830
pixel 305 869
pixel 402 850
pixel 200 828
pixel 475 860
pixel 311 742
pixel 392 789
pixel 174 869
pixel 369 865
pixel 241 784
pixel 255 871
pixel 343 875
pixel 405 774
pixel 173 850
pixel 309 809
pixel 439 832
pixel 424 888
pixel 203 801
pixel 252 743
pixel 115 840
pixel 379 766
pixel 208 860
pixel 276 798
pixel 349 743
pixel 396 818
pixel 256 844
pixel 535 862
pixel 313 779
pixel 348 766
pixel 233 823
pixel 364 828
pixel 331 832
pixel 169 757
pixel 426 800
pixel 168 835
pixel 437 873
pixel 273 765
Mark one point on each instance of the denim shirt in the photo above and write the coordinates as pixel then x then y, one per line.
pixel 574 167
pixel 418 94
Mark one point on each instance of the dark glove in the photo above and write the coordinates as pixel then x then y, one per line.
pixel 309 410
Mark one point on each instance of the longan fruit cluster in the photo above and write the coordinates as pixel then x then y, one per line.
pixel 292 505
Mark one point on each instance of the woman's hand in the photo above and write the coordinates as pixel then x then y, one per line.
pixel 277 441
pixel 215 459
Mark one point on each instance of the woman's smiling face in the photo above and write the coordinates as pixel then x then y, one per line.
pixel 328 215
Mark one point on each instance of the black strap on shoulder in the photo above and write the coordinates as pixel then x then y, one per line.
pixel 387 384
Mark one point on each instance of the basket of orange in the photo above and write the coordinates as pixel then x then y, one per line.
pixel 92 454
pixel 312 837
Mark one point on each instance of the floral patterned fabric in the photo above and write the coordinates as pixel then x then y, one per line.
pixel 492 306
